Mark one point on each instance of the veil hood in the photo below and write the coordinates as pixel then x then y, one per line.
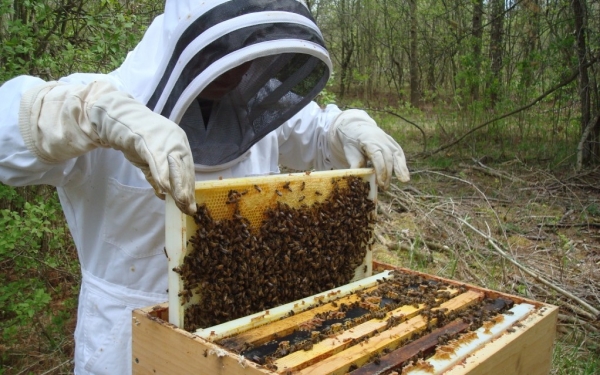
pixel 195 42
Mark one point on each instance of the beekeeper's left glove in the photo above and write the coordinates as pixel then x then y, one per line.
pixel 355 138
pixel 61 121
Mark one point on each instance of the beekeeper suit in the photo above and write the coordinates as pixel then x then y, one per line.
pixel 214 89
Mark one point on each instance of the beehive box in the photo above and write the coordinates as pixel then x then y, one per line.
pixel 380 320
pixel 517 341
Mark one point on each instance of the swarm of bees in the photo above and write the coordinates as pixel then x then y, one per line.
pixel 296 253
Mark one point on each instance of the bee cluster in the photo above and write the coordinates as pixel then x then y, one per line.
pixel 295 253
pixel 390 294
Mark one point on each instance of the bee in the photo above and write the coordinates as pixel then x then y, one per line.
pixel 287 186
pixel 258 188
pixel 258 360
pixel 365 268
pixel 271 367
pixel 278 192
pixel 307 173
pixel 318 193
pixel 302 186
pixel 301 198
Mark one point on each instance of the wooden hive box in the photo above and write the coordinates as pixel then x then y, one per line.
pixel 523 346
pixel 383 320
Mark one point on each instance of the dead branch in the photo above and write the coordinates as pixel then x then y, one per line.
pixel 574 320
pixel 491 172
pixel 537 277
pixel 578 310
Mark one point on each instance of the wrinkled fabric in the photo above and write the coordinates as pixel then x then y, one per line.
pixel 61 121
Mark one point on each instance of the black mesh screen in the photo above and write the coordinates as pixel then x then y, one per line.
pixel 273 90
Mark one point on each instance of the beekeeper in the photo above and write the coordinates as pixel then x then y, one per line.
pixel 214 89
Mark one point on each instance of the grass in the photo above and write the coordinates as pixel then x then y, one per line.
pixel 572 357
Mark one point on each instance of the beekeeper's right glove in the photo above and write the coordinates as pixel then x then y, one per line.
pixel 62 121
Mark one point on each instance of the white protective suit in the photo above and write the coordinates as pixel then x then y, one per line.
pixel 115 218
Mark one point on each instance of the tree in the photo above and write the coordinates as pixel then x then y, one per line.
pixel 590 131
pixel 476 40
pixel 496 50
pixel 415 94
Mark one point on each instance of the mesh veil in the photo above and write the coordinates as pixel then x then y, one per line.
pixel 287 63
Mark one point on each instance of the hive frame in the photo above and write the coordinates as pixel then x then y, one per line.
pixel 180 227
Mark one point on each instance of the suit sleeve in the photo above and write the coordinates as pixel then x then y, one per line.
pixel 303 143
pixel 18 165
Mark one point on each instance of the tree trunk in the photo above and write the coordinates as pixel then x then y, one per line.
pixel 587 149
pixel 497 25
pixel 531 11
pixel 477 33
pixel 415 96
pixel 347 46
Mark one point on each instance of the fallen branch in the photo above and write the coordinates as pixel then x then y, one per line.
pixel 537 277
pixel 578 310
pixel 57 367
pixel 490 172
pixel 575 320
pixel 569 225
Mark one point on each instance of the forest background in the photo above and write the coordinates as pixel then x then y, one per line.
pixel 495 102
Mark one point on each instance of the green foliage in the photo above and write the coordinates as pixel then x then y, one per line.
pixel 53 39
pixel 593 210
pixel 327 96
pixel 572 358
pixel 38 268
pixel 25 242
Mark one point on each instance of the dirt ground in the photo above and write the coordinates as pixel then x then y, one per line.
pixel 509 227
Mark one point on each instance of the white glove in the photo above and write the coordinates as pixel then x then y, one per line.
pixel 62 121
pixel 356 138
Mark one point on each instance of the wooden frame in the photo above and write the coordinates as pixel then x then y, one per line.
pixel 179 227
pixel 161 348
